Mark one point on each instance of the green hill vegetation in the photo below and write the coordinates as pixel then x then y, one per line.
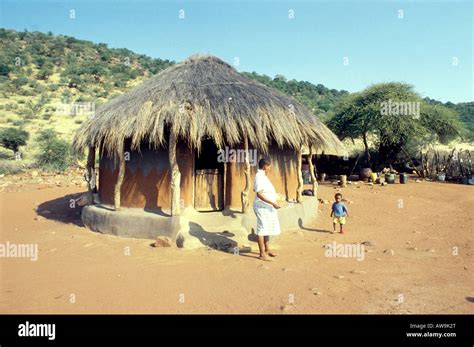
pixel 42 74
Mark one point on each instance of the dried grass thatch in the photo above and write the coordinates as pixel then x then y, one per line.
pixel 204 96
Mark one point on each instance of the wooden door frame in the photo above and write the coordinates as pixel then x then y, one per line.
pixel 224 179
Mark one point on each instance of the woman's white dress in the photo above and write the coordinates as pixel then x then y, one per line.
pixel 267 217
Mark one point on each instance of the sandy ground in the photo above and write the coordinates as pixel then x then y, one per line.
pixel 427 225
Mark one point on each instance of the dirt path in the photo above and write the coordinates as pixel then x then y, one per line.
pixel 83 272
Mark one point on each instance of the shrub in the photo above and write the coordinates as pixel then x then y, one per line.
pixel 46 134
pixel 54 152
pixel 13 138
pixel 8 167
pixel 6 154
pixel 18 122
pixel 20 81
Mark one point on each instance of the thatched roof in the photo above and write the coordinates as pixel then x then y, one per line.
pixel 204 97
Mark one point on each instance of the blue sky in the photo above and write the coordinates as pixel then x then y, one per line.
pixel 431 47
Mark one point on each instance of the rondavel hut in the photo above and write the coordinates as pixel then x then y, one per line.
pixel 175 143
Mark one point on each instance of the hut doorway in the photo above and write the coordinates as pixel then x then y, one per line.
pixel 208 178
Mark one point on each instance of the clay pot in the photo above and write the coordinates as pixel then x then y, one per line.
pixel 365 173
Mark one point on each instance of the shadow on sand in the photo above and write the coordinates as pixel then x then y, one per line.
pixel 63 209
pixel 300 224
pixel 217 240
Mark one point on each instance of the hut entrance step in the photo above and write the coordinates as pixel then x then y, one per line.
pixel 208 178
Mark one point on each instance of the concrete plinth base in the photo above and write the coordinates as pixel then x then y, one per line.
pixel 193 229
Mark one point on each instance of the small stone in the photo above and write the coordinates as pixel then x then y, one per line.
pixel 408 242
pixel 431 250
pixel 389 251
pixel 34 174
pixel 413 248
pixel 315 291
pixel 378 259
pixel 163 241
pixel 340 277
pixel 358 272
pixel 39 218
pixel 286 308
pixel 367 243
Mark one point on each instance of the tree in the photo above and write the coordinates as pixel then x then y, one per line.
pixel 20 81
pixel 443 123
pixel 396 116
pixel 13 138
pixel 55 153
pixel 4 70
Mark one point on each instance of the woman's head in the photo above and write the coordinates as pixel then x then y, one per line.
pixel 264 164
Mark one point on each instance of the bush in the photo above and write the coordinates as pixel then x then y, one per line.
pixel 5 154
pixel 8 167
pixel 18 122
pixel 53 87
pixel 13 138
pixel 4 70
pixel 20 81
pixel 54 152
pixel 46 135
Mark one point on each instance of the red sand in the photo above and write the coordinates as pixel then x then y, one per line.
pixel 96 271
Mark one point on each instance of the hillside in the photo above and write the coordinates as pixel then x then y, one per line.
pixel 42 75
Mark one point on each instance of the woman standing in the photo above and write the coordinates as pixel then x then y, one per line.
pixel 265 207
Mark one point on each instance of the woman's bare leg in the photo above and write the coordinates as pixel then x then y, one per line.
pixel 262 247
pixel 267 248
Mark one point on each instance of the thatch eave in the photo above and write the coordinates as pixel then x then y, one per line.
pixel 200 97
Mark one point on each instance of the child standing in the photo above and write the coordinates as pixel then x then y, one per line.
pixel 339 213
